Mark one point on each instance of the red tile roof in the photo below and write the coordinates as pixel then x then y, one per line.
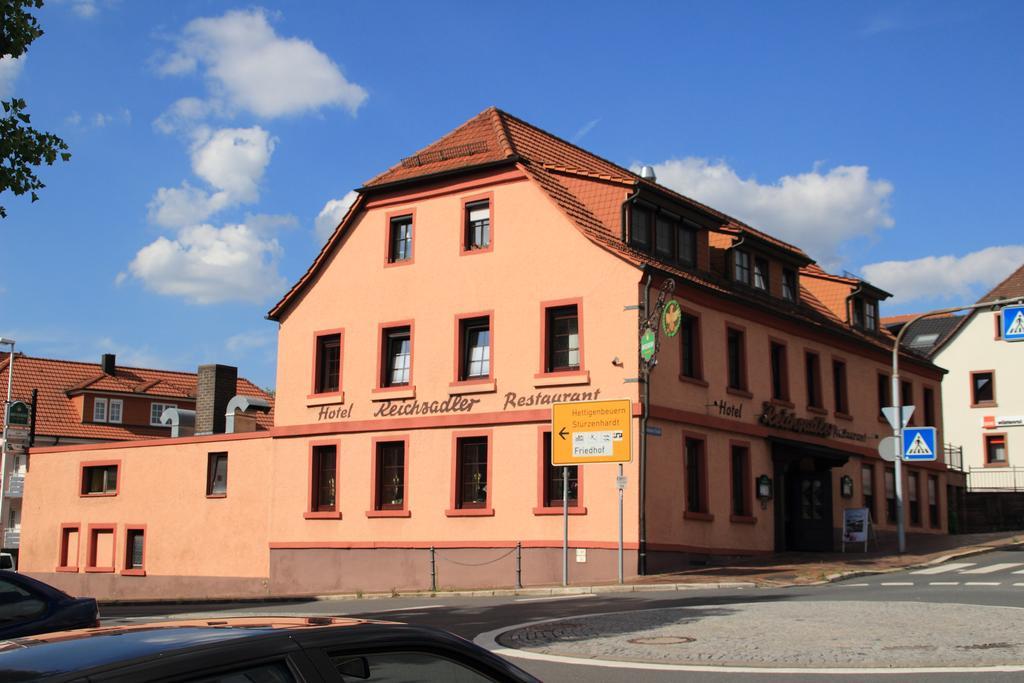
pixel 590 190
pixel 57 414
pixel 1011 287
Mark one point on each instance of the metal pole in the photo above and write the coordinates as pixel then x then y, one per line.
pixel 433 571
pixel 519 565
pixel 898 400
pixel 620 525
pixel 897 432
pixel 3 453
pixel 565 526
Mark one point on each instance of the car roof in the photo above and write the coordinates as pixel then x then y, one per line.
pixel 52 654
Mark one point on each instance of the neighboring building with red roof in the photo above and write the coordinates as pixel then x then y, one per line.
pixel 469 288
pixel 983 394
pixel 76 402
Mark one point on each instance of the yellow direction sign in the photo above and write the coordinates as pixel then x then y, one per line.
pixel 592 431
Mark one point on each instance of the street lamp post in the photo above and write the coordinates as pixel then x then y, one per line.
pixel 3 452
pixel 897 428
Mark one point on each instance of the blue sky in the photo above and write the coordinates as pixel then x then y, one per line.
pixel 208 137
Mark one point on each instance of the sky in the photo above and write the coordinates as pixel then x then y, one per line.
pixel 216 144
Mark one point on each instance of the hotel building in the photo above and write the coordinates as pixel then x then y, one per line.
pixel 471 286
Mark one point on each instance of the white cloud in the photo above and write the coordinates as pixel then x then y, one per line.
pixel 9 70
pixel 245 341
pixel 206 265
pixel 249 67
pixel 99 119
pixel 182 115
pixel 120 278
pixel 84 8
pixel 948 277
pixel 332 213
pixel 128 356
pixel 73 119
pixel 232 161
pixel 814 210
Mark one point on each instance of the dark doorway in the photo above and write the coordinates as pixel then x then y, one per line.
pixel 803 496
pixel 809 513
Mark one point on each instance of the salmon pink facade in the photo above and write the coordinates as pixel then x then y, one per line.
pixel 470 287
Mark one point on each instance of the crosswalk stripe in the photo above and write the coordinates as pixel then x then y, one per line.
pixel 943 568
pixel 992 568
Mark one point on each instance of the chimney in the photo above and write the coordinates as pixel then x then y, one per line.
pixel 648 173
pixel 215 386
pixel 109 364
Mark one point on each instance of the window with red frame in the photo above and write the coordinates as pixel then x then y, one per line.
pixel 563 342
pixel 471 472
pixel 995 449
pixel 328 363
pixel 390 475
pixel 741 481
pixel 842 401
pixel 553 483
pixel 134 549
pixel 99 480
pixel 696 473
pixel 325 489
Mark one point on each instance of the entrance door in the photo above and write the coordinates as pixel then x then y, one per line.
pixel 809 510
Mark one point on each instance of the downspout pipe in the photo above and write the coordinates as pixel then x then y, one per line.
pixel 625 207
pixel 645 401
pixel 849 302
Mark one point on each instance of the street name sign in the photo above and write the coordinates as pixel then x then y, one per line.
pixel 1013 323
pixel 919 444
pixel 890 415
pixel 592 431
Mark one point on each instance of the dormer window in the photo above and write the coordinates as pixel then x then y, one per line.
pixel 789 286
pixel 865 314
pixel 665 238
pixel 741 267
pixel 687 243
pixel 761 273
pixel 640 228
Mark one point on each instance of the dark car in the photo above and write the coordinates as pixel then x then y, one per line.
pixel 29 606
pixel 257 650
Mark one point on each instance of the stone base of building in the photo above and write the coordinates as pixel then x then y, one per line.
pixel 298 572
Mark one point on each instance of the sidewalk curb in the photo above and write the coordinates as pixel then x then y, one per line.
pixel 548 591
pixel 554 591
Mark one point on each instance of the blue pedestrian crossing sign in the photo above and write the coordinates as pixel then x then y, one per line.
pixel 1013 323
pixel 919 443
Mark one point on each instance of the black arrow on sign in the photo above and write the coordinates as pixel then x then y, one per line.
pixel 562 432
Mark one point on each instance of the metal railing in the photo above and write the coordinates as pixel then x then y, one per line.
pixel 15 486
pixel 995 479
pixel 954 457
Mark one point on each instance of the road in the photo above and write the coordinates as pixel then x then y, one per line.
pixel 913 617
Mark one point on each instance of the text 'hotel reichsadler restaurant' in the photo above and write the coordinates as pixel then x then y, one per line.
pixel 471 286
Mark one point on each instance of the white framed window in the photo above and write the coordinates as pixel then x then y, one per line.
pixel 99 410
pixel 156 410
pixel 116 409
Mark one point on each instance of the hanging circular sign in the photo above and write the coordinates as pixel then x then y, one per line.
pixel 647 345
pixel 671 318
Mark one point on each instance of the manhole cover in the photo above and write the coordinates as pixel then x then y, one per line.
pixel 663 640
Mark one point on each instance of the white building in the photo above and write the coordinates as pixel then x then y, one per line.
pixel 983 394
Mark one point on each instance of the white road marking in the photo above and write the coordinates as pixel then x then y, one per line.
pixel 1018 584
pixel 556 597
pixel 854 585
pixel 944 583
pixel 992 568
pixel 982 583
pixel 897 583
pixel 400 609
pixel 943 568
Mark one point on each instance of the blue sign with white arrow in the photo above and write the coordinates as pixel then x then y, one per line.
pixel 919 443
pixel 1013 323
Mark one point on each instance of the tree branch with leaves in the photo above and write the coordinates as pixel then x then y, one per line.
pixel 22 147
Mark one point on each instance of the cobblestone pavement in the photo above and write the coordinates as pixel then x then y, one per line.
pixel 798 634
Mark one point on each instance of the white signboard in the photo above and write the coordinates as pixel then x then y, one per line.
pixel 997 421
pixel 855 525
pixel 590 444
